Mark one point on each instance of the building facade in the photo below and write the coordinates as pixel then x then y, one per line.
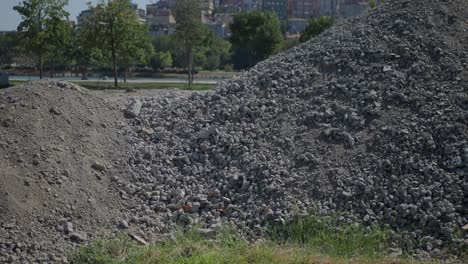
pixel 84 16
pixel 304 8
pixel 159 18
pixel 280 7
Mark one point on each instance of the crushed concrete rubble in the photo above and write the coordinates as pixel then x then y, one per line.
pixel 370 119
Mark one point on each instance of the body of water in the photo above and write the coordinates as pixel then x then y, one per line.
pixel 110 79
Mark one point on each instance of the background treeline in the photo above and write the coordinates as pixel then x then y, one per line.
pixel 113 40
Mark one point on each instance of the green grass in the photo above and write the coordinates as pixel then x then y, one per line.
pixel 308 240
pixel 137 86
pixel 329 237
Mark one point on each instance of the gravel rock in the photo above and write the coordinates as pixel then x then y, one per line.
pixel 133 109
pixel 369 119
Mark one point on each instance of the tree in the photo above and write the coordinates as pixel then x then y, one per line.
pixel 84 47
pixel 164 43
pixel 315 27
pixel 190 32
pixel 59 43
pixel 161 59
pixel 42 22
pixel 136 49
pixel 119 36
pixel 257 35
pixel 7 48
pixel 215 54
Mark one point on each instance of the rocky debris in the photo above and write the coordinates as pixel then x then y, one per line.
pixel 79 237
pixel 55 111
pixel 138 239
pixel 123 224
pixel 68 228
pixel 133 109
pixel 369 119
pixel 98 166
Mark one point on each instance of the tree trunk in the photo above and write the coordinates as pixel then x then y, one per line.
pixel 40 66
pixel 52 70
pixel 84 73
pixel 190 68
pixel 114 55
pixel 114 65
pixel 125 74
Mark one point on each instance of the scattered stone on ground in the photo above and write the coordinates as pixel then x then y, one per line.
pixel 369 119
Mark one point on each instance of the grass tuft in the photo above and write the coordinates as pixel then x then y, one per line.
pixel 328 236
pixel 303 240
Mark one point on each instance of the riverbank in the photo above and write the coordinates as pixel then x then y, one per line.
pixel 135 85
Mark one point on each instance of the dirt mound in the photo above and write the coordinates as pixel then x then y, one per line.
pixel 58 146
pixel 369 119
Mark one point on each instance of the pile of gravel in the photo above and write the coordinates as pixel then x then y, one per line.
pixel 59 148
pixel 369 119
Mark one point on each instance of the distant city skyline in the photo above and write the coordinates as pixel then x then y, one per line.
pixel 9 18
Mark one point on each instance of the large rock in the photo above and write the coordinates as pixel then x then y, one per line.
pixel 133 109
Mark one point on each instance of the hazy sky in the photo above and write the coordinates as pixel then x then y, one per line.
pixel 9 19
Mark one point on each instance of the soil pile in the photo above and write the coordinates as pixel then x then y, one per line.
pixel 59 147
pixel 369 119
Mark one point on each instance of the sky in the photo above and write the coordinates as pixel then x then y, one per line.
pixel 9 19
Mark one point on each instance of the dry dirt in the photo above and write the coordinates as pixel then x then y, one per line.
pixel 58 146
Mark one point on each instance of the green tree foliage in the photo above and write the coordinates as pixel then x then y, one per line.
pixel 119 36
pixel 41 27
pixel 190 32
pixel 164 43
pixel 60 40
pixel 161 60
pixel 315 27
pixel 84 50
pixel 256 36
pixel 7 48
pixel 215 54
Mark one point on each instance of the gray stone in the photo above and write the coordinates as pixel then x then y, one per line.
pixel 79 237
pixel 98 166
pixel 68 228
pixel 133 109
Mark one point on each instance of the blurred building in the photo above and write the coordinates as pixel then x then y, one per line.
pixel 328 7
pixel 230 6
pixel 220 29
pixel 304 8
pixel 159 18
pixel 84 16
pixel 296 25
pixel 251 5
pixel 350 8
pixel 280 7
pixel 207 8
pixel 139 12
